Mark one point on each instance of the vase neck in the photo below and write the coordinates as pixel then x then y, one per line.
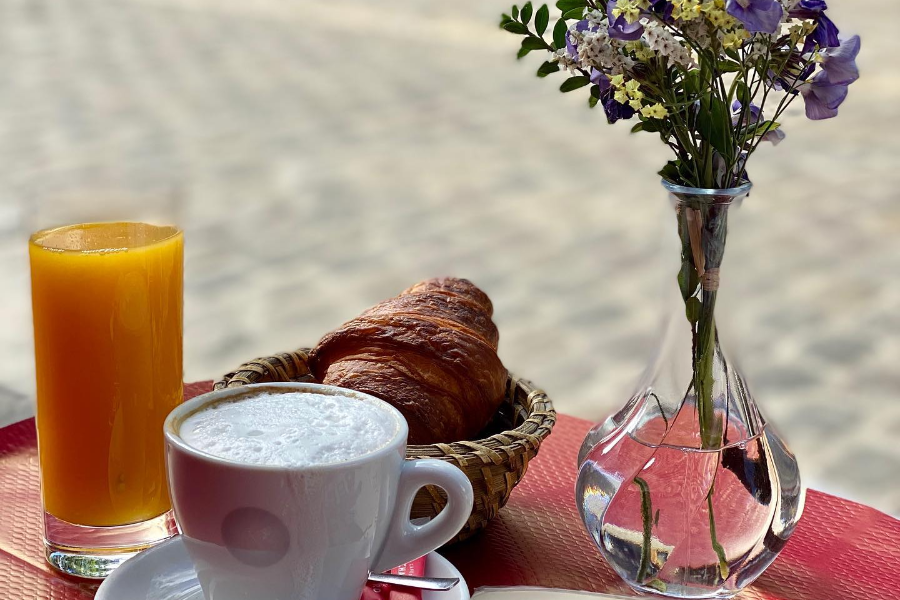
pixel 699 395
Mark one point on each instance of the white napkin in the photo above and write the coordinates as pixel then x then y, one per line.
pixel 535 593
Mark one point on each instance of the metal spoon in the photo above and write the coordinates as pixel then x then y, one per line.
pixel 440 584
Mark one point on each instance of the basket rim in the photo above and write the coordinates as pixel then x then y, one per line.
pixel 528 435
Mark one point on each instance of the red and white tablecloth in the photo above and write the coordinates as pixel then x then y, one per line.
pixel 840 551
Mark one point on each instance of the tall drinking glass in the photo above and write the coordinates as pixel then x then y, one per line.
pixel 107 300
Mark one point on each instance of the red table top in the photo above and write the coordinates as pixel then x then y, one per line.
pixel 840 551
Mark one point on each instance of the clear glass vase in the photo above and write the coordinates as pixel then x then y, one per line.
pixel 687 491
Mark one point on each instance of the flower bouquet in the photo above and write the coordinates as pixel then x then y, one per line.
pixel 686 490
pixel 700 74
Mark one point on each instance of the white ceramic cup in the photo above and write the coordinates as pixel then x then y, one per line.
pixel 258 532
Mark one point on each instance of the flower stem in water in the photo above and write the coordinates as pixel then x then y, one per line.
pixel 647 520
pixel 717 547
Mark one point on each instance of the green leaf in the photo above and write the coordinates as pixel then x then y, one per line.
pixel 504 19
pixel 514 27
pixel 515 11
pixel 573 83
pixel 714 125
pixel 767 126
pixel 531 43
pixel 670 173
pixel 652 125
pixel 684 172
pixel 637 128
pixel 547 68
pixel 559 34
pixel 742 93
pixel 575 13
pixel 567 5
pixel 761 129
pixel 593 100
pixel 526 13
pixel 542 19
pixel 727 66
pixel 692 85
pixel 692 309
pixel 687 276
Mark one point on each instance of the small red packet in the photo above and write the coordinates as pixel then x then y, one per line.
pixel 383 591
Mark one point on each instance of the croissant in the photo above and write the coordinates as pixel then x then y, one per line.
pixel 431 352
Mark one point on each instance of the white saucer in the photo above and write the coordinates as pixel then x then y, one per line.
pixel 165 572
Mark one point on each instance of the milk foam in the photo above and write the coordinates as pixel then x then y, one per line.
pixel 294 429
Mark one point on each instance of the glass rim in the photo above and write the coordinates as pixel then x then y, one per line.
pixel 35 237
pixel 687 190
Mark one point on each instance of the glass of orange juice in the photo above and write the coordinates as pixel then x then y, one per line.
pixel 107 300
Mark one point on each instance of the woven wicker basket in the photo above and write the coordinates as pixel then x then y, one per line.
pixel 494 464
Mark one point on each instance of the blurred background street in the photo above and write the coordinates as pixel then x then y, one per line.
pixel 322 156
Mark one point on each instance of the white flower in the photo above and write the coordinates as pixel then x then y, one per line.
pixel 698 31
pixel 759 50
pixel 595 18
pixel 564 59
pixel 664 43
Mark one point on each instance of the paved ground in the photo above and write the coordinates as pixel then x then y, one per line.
pixel 324 155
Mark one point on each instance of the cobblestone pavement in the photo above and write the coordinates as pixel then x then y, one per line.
pixel 324 155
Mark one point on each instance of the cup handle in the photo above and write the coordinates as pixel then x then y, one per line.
pixel 406 541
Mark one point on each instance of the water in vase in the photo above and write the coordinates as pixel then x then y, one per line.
pixel 672 518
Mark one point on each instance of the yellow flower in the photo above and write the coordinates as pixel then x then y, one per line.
pixel 799 31
pixel 630 9
pixel 635 104
pixel 686 10
pixel 617 80
pixel 637 95
pixel 641 52
pixel 621 97
pixel 713 5
pixel 644 54
pixel 657 111
pixel 632 85
pixel 732 39
pixel 716 15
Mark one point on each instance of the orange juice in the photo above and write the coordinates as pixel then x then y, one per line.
pixel 107 302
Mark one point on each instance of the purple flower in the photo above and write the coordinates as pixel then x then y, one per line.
pixel 600 79
pixel 754 116
pixel 614 110
pixel 662 8
pixel 776 136
pixel 750 116
pixel 825 35
pixel 572 47
pixel 822 97
pixel 829 88
pixel 739 171
pixel 839 64
pixel 797 70
pixel 762 16
pixel 620 28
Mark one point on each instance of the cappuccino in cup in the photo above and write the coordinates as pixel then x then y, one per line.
pixel 296 491
pixel 292 429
